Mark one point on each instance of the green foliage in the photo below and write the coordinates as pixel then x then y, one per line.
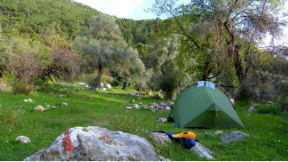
pixel 45 87
pixel 269 109
pixel 34 15
pixel 9 116
pixel 22 86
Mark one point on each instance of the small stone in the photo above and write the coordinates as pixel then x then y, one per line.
pixel 208 135
pixel 39 107
pixel 129 108
pixel 64 103
pixel 103 89
pixel 30 100
pixel 87 86
pixel 25 100
pixel 270 102
pixel 218 132
pixel 53 107
pixel 139 98
pixel 248 114
pixel 132 101
pixel 140 103
pixel 251 109
pixel 23 139
pixel 61 96
pixel 136 106
pixel 167 108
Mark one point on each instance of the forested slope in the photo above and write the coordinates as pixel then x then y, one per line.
pixel 33 16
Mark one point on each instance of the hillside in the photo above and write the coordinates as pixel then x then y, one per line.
pixel 33 16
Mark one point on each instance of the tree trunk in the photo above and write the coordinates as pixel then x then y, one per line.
pixel 100 72
pixel 206 71
pixel 239 69
pixel 238 64
pixel 125 86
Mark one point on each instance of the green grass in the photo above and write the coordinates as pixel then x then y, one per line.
pixel 90 108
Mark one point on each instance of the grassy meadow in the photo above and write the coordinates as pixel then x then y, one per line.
pixel 268 131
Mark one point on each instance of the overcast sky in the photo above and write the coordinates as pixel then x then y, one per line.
pixel 134 9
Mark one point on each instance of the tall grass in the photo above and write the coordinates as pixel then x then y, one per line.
pixel 9 116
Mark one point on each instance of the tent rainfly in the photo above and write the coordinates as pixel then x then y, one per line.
pixel 204 107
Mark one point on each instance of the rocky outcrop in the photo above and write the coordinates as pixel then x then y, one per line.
pixel 96 144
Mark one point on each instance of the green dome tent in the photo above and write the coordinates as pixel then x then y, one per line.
pixel 204 107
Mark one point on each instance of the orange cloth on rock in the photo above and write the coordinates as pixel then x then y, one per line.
pixel 187 135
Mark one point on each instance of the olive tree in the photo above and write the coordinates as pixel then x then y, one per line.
pixel 103 45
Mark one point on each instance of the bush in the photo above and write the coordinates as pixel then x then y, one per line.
pixel 45 87
pixel 9 116
pixel 168 84
pixel 269 109
pixel 22 86
pixel 115 83
pixel 91 81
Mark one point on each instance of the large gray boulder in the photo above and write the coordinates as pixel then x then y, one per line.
pixel 202 151
pixel 96 144
pixel 237 136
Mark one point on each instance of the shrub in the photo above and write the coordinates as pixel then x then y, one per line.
pixel 91 81
pixel 115 83
pixel 168 84
pixel 45 87
pixel 269 109
pixel 9 116
pixel 22 86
